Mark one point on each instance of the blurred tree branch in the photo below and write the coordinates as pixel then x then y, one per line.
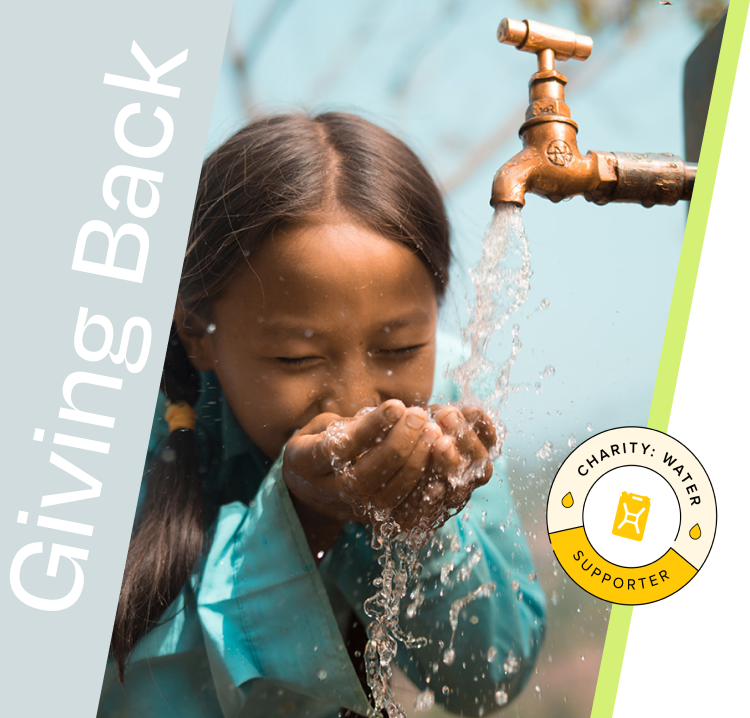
pixel 596 15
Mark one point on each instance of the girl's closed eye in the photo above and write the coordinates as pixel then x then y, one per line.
pixel 299 362
pixel 400 352
pixel 310 361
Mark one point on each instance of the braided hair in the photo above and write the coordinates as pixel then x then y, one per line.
pixel 169 538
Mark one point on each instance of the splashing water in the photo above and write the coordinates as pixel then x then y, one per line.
pixel 502 284
pixel 545 452
pixel 424 701
pixel 400 567
pixel 502 281
pixel 484 591
pixel 511 664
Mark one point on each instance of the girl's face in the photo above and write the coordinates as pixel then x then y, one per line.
pixel 328 317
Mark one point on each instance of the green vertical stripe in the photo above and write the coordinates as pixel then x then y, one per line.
pixel 682 297
pixel 679 312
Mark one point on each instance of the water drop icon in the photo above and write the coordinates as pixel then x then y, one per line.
pixel 567 501
pixel 695 532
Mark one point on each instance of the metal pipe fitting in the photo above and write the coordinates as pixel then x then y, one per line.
pixel 646 178
pixel 550 164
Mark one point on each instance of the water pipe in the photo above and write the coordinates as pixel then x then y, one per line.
pixel 550 163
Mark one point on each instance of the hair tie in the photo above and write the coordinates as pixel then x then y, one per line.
pixel 180 416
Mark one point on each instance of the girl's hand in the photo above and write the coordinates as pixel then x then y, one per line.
pixel 460 463
pixel 396 459
pixel 308 468
pixel 388 450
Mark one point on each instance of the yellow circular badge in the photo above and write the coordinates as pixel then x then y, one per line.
pixel 631 515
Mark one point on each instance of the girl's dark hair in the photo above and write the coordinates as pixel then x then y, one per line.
pixel 275 173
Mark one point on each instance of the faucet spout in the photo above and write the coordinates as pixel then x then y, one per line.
pixel 553 168
pixel 550 163
pixel 513 178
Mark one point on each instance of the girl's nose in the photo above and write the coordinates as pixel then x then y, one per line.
pixel 351 392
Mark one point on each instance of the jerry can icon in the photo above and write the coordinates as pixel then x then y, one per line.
pixel 631 516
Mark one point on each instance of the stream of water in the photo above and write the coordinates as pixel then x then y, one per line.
pixel 502 281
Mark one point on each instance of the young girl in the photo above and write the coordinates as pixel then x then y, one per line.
pixel 317 258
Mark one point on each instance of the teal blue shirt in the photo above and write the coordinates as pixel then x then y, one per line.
pixel 257 631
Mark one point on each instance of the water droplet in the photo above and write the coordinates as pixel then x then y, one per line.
pixel 511 664
pixel 572 442
pixel 446 690
pixel 695 532
pixel 544 304
pixel 491 654
pixel 474 620
pixel 308 333
pixel 322 675
pixel 545 452
pixel 501 697
pixel 549 370
pixel 389 372
pixel 589 428
pixel 553 598
pixel 583 658
pixel 567 500
pixel 425 700
pixel 445 572
pixel 449 656
pixel 211 328
pixel 321 554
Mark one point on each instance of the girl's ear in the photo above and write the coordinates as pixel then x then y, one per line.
pixel 191 328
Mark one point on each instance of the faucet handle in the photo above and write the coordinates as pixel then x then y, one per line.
pixel 536 37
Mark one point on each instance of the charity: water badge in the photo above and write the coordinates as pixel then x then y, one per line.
pixel 631 515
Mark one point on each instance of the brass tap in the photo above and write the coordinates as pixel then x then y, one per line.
pixel 550 163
